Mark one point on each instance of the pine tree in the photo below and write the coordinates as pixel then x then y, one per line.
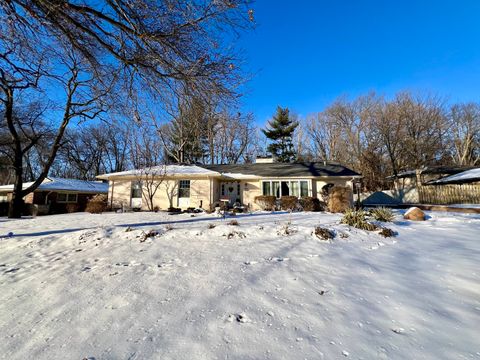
pixel 280 131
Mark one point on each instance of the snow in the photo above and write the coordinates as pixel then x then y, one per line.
pixel 167 170
pixel 60 184
pixel 240 176
pixel 92 286
pixel 472 175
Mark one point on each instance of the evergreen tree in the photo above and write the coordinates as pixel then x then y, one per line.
pixel 280 131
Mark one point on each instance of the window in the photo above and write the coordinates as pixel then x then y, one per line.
pixel 267 188
pixel 238 189
pixel 136 190
pixel 276 188
pixel 294 189
pixel 222 192
pixel 184 189
pixel 303 188
pixel 298 188
pixel 67 198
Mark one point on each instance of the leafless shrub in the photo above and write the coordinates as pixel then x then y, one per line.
pixel 97 204
pixel 324 233
pixel 386 232
pixel 289 202
pixel 233 223
pixel 340 199
pixel 266 202
pixel 310 203
pixel 71 208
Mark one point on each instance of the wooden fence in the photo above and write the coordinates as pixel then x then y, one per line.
pixel 449 194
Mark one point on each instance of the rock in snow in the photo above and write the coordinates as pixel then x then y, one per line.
pixel 414 213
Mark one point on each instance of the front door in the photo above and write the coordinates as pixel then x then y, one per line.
pixel 230 191
pixel 184 194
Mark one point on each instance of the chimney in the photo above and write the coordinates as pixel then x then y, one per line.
pixel 264 160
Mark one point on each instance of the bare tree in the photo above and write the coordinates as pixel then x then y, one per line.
pixel 151 178
pixel 465 133
pixel 82 101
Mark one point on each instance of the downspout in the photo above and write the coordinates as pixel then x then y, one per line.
pixel 111 198
pixel 46 197
pixel 210 195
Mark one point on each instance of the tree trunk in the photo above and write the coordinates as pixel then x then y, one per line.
pixel 16 204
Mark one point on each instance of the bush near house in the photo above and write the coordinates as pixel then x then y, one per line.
pixel 72 208
pixel 310 203
pixel 97 204
pixel 289 202
pixel 340 199
pixel 266 202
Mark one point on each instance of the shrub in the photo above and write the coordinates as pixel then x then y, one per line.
pixel 287 229
pixel 354 217
pixel 71 208
pixel 340 199
pixel 288 202
pixel 382 214
pixel 386 232
pixel 233 223
pixel 266 202
pixel 174 210
pixel 358 219
pixel 97 204
pixel 310 203
pixel 324 233
pixel 156 208
pixel 148 234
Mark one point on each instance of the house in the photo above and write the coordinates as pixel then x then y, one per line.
pixel 206 186
pixel 407 185
pixel 55 195
pixel 437 185
pixel 471 176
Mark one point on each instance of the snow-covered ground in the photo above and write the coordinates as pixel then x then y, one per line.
pixel 81 286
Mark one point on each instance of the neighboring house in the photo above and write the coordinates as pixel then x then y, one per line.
pixel 407 185
pixel 55 195
pixel 439 185
pixel 471 176
pixel 206 186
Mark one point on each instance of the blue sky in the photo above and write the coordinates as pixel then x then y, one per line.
pixel 304 54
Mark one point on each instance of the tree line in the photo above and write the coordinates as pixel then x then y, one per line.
pixel 373 135
pixel 379 137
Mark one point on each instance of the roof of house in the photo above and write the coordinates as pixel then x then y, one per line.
pixel 432 170
pixel 59 184
pixel 243 171
pixel 163 170
pixel 277 169
pixel 471 175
